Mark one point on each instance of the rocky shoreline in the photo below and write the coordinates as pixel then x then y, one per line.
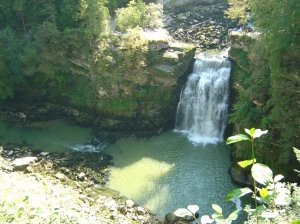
pixel 73 180
pixel 77 177
pixel 201 24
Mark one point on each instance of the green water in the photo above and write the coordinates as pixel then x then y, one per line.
pixel 163 172
pixel 167 172
pixel 57 135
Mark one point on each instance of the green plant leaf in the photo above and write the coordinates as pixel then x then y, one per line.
pixel 255 133
pixel 296 222
pixel 237 193
pixel 233 216
pixel 182 212
pixel 193 208
pixel 259 133
pixel 261 173
pixel 250 132
pixel 297 153
pixel 278 178
pixel 246 163
pixel 217 217
pixel 217 208
pixel 259 210
pixel 206 219
pixel 265 200
pixel 236 138
pixel 264 192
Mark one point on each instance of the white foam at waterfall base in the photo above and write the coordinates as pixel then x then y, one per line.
pixel 202 109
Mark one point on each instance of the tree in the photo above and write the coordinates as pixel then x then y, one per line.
pixel 10 65
pixel 18 6
pixel 134 49
pixel 52 61
pixel 280 36
pixel 94 17
pixel 238 10
pixel 138 14
pixel 68 14
pixel 132 16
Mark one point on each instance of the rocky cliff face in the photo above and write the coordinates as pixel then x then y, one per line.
pixel 117 105
pixel 239 42
pixel 112 103
pixel 202 23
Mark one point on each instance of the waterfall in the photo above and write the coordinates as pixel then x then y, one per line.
pixel 203 106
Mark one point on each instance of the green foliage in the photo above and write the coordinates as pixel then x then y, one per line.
pixel 118 107
pixel 237 193
pixel 138 14
pixel 10 64
pixel 238 10
pixel 268 94
pixel 52 65
pixel 218 217
pixel 113 5
pixel 80 92
pixel 153 16
pixel 272 194
pixel 134 51
pixel 68 14
pixel 19 210
pixel 94 17
pixel 132 16
pixel 297 154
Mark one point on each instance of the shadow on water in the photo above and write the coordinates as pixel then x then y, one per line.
pixel 167 172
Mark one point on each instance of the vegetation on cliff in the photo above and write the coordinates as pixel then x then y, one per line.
pixel 267 82
pixel 65 52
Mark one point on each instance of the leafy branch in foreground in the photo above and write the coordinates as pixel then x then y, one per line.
pixel 271 193
pixel 218 217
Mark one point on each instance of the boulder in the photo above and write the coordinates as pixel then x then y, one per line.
pixel 129 203
pixel 60 176
pixel 241 40
pixel 81 176
pixel 171 218
pixel 20 164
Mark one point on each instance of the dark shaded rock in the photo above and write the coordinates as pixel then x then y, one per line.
pixel 171 218
pixel 241 176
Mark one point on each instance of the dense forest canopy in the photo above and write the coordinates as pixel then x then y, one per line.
pixel 40 39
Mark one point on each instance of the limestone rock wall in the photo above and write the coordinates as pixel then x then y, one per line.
pixel 116 106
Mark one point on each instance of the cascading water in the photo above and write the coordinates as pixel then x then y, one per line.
pixel 202 110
